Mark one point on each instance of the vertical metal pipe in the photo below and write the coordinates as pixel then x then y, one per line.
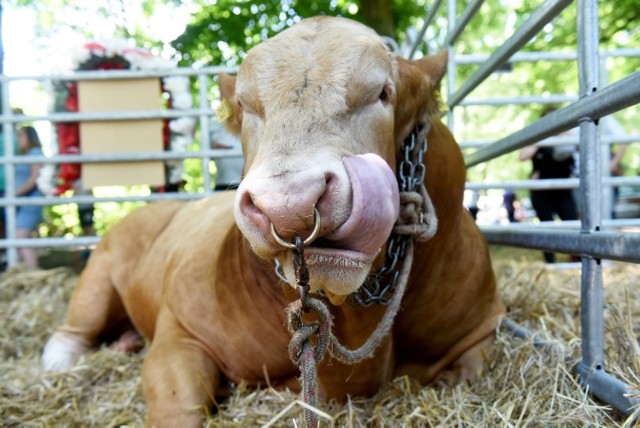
pixel 592 301
pixel 451 65
pixel 9 180
pixel 420 39
pixel 205 133
pixel 605 149
pixel 456 30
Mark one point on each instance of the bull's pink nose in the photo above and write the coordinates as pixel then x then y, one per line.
pixel 287 203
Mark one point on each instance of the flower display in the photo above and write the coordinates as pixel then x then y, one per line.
pixel 118 55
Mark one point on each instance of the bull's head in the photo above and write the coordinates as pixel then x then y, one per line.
pixel 322 110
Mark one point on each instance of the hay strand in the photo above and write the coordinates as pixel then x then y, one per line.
pixel 523 385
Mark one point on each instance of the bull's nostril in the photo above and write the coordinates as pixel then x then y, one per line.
pixel 250 210
pixel 330 181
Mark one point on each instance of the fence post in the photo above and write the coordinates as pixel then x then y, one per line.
pixel 451 65
pixel 590 193
pixel 205 130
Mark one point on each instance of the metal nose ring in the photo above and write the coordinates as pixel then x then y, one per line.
pixel 308 241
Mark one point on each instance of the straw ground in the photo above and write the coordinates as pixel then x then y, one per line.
pixel 522 386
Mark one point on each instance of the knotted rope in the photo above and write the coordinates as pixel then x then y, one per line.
pixel 417 215
pixel 415 209
pixel 417 219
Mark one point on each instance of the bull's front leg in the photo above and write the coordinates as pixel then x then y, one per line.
pixel 179 379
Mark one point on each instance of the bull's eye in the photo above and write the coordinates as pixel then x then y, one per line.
pixel 384 95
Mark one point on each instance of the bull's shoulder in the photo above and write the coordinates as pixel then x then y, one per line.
pixel 144 223
pixel 202 223
pixel 174 217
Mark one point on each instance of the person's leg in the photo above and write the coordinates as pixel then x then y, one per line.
pixel 85 215
pixel 544 210
pixel 29 255
pixel 27 219
pixel 565 205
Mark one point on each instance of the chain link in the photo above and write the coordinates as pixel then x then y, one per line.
pixel 380 287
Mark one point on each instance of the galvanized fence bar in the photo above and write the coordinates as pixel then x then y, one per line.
pixel 546 56
pixel 121 74
pixel 460 24
pixel 76 242
pixel 540 99
pixel 607 224
pixel 592 292
pixel 538 19
pixel 427 21
pixel 619 246
pixel 9 171
pixel 560 141
pixel 610 389
pixel 205 134
pixel 591 242
pixel 121 157
pixel 114 115
pixel 616 96
pixel 86 199
pixel 552 183
pixel 522 332
pixel 451 59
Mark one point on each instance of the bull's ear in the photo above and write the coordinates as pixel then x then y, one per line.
pixel 229 111
pixel 434 66
pixel 417 91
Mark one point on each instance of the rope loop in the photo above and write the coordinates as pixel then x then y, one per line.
pixel 417 215
pixel 302 333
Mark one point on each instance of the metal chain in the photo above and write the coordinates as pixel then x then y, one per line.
pixel 380 287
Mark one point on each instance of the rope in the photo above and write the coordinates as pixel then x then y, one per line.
pixel 417 215
pixel 303 354
pixel 417 218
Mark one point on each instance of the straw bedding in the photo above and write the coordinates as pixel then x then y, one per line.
pixel 523 386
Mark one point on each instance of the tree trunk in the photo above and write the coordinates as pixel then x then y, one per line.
pixel 378 14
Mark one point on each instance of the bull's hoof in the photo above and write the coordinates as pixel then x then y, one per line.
pixel 62 351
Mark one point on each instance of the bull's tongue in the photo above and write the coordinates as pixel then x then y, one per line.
pixel 375 205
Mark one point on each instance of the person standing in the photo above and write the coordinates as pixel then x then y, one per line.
pixel 549 163
pixel 26 176
pixel 509 203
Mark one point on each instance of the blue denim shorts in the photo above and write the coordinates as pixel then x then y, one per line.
pixel 28 217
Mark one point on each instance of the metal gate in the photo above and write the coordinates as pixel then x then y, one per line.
pixel 204 112
pixel 594 238
pixel 597 238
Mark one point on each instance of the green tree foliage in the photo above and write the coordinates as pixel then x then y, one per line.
pixel 223 31
pixel 220 32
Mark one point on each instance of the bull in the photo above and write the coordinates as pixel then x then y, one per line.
pixel 324 111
